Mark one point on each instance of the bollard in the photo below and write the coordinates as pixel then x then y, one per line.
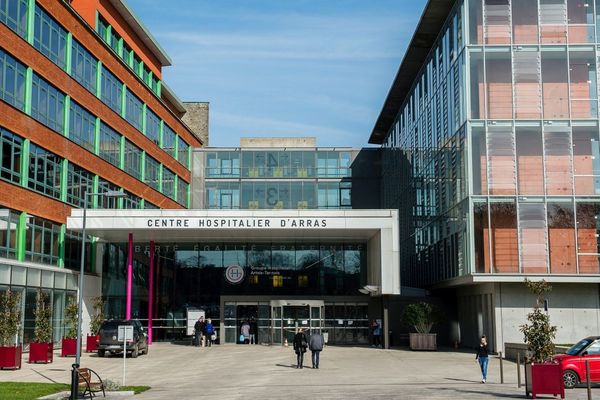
pixel 74 382
pixel 589 381
pixel 501 368
pixel 518 370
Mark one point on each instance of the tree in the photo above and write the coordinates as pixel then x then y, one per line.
pixel 98 316
pixel 10 317
pixel 43 319
pixel 422 316
pixel 71 314
pixel 539 334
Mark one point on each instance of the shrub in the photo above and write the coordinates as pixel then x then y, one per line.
pixel 422 316
pixel 71 314
pixel 539 334
pixel 10 317
pixel 43 319
pixel 98 316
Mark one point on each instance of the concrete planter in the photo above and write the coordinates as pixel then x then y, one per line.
pixel 10 357
pixel 423 341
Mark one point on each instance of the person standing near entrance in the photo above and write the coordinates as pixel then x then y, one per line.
pixel 315 345
pixel 245 332
pixel 300 345
pixel 376 330
pixel 482 357
pixel 253 331
pixel 198 331
pixel 208 332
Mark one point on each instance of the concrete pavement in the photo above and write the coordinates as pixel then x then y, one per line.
pixel 263 372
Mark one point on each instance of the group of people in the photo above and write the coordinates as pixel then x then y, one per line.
pixel 204 332
pixel 315 344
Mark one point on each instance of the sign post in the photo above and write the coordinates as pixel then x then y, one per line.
pixel 125 333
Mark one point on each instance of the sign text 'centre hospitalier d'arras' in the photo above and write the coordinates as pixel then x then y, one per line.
pixel 231 223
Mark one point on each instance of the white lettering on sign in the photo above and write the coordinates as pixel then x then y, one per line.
pixel 235 223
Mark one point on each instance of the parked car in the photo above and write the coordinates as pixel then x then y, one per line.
pixel 109 338
pixel 573 361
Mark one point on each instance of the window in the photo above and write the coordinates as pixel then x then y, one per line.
pixel 8 234
pixel 182 192
pixel 82 127
pixel 137 63
pixel 12 81
pixel 44 171
pixel 42 240
pixel 127 54
pixel 134 110
pixel 84 66
pixel 103 29
pixel 152 126
pixel 131 201
pixel 169 138
pixel 168 183
pixel 152 173
pixel 107 202
pixel 150 206
pixel 47 104
pixel 79 182
pixel 115 39
pixel 49 37
pixel 133 159
pixel 13 13
pixel 112 90
pixel 11 147
pixel 110 145
pixel 72 256
pixel 147 76
pixel 183 152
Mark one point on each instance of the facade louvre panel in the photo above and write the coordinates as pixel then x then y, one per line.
pixel 501 163
pixel 527 84
pixel 497 22
pixel 558 150
pixel 532 237
pixel 553 12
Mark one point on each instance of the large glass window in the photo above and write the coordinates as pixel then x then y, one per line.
pixel 555 75
pixel 477 85
pixel 479 160
pixel 481 237
pixel 82 127
pixel 225 164
pixel 588 237
pixel 583 91
pixel 168 183
pixel 553 21
pixel 44 171
pixel 475 22
pixel 110 145
pixel 134 110
pixel 84 66
pixel 559 172
pixel 498 69
pixel 169 140
pixel 104 201
pixel 501 154
pixel 182 148
pixel 527 85
pixel 530 163
pixel 41 240
pixel 102 28
pixel 73 251
pixel 223 195
pixel 182 192
pixel 505 253
pixel 561 237
pixel 79 182
pixel 8 233
pixel 497 21
pixel 532 237
pixel 586 160
pixel 47 104
pixel 133 159
pixel 525 21
pixel 152 172
pixel 580 15
pixel 11 147
pixel 49 37
pixel 12 81
pixel 13 13
pixel 152 126
pixel 112 90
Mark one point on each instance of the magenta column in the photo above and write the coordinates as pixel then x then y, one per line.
pixel 151 292
pixel 129 277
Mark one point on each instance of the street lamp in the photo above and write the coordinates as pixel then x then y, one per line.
pixel 113 194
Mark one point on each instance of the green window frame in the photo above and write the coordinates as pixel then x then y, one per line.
pixel 150 206
pixel 12 81
pixel 182 190
pixel 84 66
pixel 47 104
pixel 42 238
pixel 168 183
pixel 8 234
pixel 102 28
pixel 169 140
pixel 112 90
pixel 79 182
pixel 13 13
pixel 82 126
pixel 133 160
pixel 11 150
pixel 152 173
pixel 152 126
pixel 183 152
pixel 134 110
pixel 131 201
pixel 49 37
pixel 110 145
pixel 127 54
pixel 115 39
pixel 44 171
pixel 107 202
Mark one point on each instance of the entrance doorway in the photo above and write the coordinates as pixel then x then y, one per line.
pixel 290 315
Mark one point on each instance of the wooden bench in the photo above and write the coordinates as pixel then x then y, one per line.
pixel 90 383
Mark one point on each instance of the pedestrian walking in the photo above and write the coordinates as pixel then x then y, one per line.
pixel 245 332
pixel 209 331
pixel 315 345
pixel 376 331
pixel 300 345
pixel 482 357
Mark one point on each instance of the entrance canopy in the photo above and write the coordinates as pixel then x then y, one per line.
pixel 377 228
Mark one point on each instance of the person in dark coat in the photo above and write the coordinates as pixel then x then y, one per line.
pixel 482 357
pixel 300 345
pixel 199 331
pixel 315 345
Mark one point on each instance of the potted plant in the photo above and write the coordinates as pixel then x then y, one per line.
pixel 95 323
pixel 69 341
pixel 10 321
pixel 41 349
pixel 542 376
pixel 421 316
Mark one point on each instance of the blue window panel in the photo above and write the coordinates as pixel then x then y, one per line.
pixel 133 160
pixel 134 110
pixel 84 66
pixel 47 104
pixel 82 126
pixel 13 13
pixel 183 152
pixel 112 89
pixel 49 37
pixel 152 173
pixel 12 81
pixel 110 145
pixel 152 126
pixel 169 140
pixel 168 183
pixel 44 171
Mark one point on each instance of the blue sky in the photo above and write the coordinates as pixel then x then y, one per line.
pixel 284 67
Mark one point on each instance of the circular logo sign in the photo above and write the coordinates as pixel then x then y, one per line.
pixel 234 274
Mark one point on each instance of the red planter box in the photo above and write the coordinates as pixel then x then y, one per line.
pixel 41 352
pixel 91 343
pixel 544 378
pixel 10 357
pixel 69 348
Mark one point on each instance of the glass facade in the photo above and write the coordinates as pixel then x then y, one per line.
pixel 12 81
pixel 82 126
pixel 498 142
pixel 49 37
pixel 47 104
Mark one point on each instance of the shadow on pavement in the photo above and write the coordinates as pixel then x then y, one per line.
pixel 287 365
pixel 493 394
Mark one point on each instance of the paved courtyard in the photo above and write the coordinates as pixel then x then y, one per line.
pixel 262 372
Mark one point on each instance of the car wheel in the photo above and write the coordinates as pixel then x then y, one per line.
pixel 135 352
pixel 146 351
pixel 100 353
pixel 570 378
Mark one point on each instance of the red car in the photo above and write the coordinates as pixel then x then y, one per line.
pixel 573 361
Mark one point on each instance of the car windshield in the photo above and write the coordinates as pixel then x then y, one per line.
pixel 573 351
pixel 114 324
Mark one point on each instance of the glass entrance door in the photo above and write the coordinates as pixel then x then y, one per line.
pixel 288 316
pixel 295 317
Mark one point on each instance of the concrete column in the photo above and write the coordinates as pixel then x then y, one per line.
pixel 129 277
pixel 386 322
pixel 150 292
